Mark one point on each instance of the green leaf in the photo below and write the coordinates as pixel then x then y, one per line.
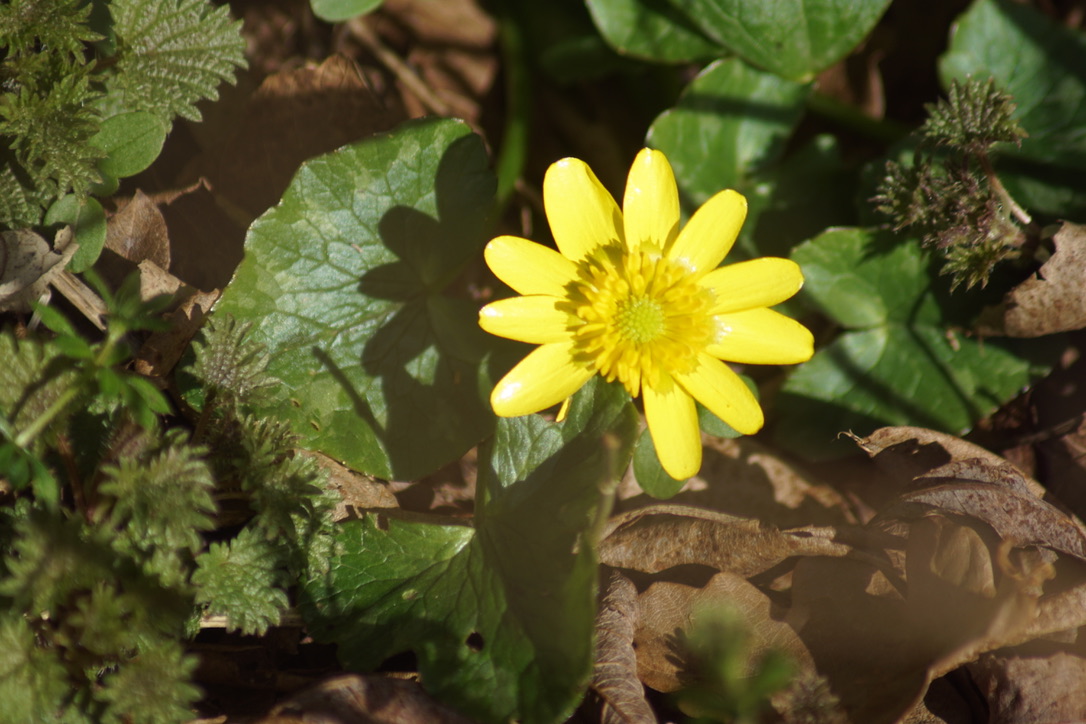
pixel 171 54
pixel 1043 66
pixel 237 580
pixel 499 616
pixel 650 474
pixel 342 283
pixel 33 26
pixel 154 687
pixel 651 29
pixel 32 679
pixel 897 363
pixel 32 378
pixel 333 11
pixel 130 141
pixel 88 222
pixel 741 118
pixel 792 38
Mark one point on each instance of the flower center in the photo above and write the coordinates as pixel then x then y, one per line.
pixel 636 315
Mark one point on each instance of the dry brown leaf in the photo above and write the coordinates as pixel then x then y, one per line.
pixel 358 492
pixel 159 354
pixel 912 452
pixel 667 609
pixel 353 699
pixel 1052 301
pixel 27 264
pixel 137 232
pixel 615 676
pixel 1037 687
pixel 1022 520
pixel 660 537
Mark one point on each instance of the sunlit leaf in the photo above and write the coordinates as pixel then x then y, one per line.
pixel 342 283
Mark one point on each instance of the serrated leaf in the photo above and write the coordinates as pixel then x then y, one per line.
pixel 1042 65
pixel 897 363
pixel 171 54
pixel 88 222
pixel 32 678
pixel 500 616
pixel 342 283
pixel 652 30
pixel 333 11
pixel 32 378
pixel 154 687
pixel 741 118
pixel 237 580
pixel 792 38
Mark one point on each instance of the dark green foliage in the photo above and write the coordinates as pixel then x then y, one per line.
pixel 240 579
pixel 949 196
pixel 973 117
pixel 57 89
pixel 230 365
pixel 159 505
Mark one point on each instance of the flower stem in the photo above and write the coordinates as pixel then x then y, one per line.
pixel 27 436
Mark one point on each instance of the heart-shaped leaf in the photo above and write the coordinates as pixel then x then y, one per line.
pixel 897 363
pixel 342 282
pixel 499 615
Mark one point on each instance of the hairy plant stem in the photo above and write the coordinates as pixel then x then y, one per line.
pixel 1019 213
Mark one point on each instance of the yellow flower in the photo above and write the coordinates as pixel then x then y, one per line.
pixel 631 297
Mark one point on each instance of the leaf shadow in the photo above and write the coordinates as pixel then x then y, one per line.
pixel 425 353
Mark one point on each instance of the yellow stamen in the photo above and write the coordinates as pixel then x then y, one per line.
pixel 635 315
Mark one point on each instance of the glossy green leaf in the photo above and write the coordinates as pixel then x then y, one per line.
pixel 342 282
pixel 500 615
pixel 651 29
pixel 650 474
pixel 792 38
pixel 333 11
pixel 731 120
pixel 1043 66
pixel 131 141
pixel 897 362
pixel 88 222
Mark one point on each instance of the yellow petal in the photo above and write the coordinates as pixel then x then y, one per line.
pixel 752 284
pixel 673 422
pixel 528 267
pixel 534 319
pixel 713 384
pixel 712 230
pixel 543 378
pixel 762 337
pixel 581 212
pixel 650 206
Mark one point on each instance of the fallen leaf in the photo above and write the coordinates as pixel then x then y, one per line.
pixel 667 610
pixel 1038 687
pixel 614 678
pixel 350 698
pixel 137 232
pixel 1054 300
pixel 27 264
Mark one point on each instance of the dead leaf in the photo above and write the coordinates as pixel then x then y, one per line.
pixel 660 537
pixel 358 492
pixel 1039 687
pixel 614 678
pixel 27 265
pixel 667 610
pixel 137 232
pixel 354 699
pixel 1054 300
pixel 158 355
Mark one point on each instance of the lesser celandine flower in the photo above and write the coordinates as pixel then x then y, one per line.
pixel 630 296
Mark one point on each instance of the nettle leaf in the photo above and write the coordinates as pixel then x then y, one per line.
pixel 171 54
pixel 342 282
pixel 897 362
pixel 653 30
pixel 792 38
pixel 237 579
pixel 1043 66
pixel 500 615
pixel 33 377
